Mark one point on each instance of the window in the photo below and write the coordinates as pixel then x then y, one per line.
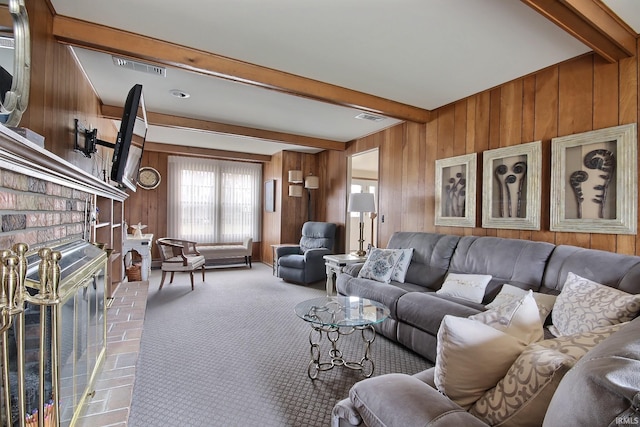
pixel 213 201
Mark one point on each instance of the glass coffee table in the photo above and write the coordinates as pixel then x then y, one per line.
pixel 335 317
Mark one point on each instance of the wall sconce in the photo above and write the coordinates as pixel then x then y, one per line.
pixel 295 190
pixel 295 177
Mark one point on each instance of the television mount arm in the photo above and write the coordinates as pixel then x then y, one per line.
pixel 90 140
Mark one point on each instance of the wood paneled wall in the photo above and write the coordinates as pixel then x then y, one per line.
pixel 61 93
pixel 579 95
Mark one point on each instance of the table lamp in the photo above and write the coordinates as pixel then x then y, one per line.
pixel 361 202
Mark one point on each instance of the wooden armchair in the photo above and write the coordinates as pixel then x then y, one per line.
pixel 179 255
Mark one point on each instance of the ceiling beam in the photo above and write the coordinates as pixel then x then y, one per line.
pixel 591 22
pixel 110 40
pixel 204 152
pixel 167 120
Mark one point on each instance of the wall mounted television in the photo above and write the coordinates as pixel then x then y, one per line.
pixel 129 145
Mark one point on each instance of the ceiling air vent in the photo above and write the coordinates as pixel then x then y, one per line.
pixel 370 117
pixel 140 66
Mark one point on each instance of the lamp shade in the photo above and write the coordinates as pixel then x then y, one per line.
pixel 295 177
pixel 312 182
pixel 361 202
pixel 295 191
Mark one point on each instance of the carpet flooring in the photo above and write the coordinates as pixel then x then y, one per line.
pixel 233 353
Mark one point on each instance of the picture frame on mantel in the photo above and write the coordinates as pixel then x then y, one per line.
pixel 456 191
pixel 594 186
pixel 511 187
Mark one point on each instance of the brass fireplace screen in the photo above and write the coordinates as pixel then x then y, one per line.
pixel 53 325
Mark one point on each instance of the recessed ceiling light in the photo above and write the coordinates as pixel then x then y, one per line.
pixel 179 93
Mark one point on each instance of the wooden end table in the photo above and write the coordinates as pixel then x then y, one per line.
pixel 335 264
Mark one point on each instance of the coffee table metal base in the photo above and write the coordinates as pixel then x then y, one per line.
pixel 333 333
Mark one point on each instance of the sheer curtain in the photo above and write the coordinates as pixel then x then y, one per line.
pixel 213 201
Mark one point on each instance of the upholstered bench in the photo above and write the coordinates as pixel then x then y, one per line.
pixel 214 253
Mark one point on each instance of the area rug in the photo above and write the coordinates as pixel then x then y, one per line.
pixel 233 353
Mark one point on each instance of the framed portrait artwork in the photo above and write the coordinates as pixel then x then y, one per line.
pixel 511 187
pixel 456 191
pixel 594 181
pixel 269 195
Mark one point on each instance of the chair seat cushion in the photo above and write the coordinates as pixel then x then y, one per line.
pixel 293 261
pixel 175 263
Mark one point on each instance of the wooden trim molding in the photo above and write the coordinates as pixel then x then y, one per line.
pixel 591 22
pixel 105 39
pixel 167 120
pixel 183 150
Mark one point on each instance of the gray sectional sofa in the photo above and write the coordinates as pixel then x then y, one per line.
pixel 417 312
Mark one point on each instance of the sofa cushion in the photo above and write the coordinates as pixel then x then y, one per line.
pixel 425 310
pixel 584 305
pixel 518 262
pixel 466 286
pixel 509 292
pixel 400 270
pixel 432 254
pixel 371 289
pixel 399 400
pixel 518 318
pixel 471 358
pixel 607 380
pixel 380 265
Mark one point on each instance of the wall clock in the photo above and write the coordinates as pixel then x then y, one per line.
pixel 148 178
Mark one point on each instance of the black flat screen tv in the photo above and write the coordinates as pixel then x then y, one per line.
pixel 129 145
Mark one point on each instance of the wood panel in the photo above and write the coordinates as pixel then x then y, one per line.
pixel 579 95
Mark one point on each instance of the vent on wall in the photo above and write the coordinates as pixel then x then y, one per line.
pixel 140 66
pixel 370 117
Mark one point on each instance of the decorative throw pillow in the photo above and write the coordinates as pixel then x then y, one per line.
pixel 400 271
pixel 466 286
pixel 577 345
pixel 471 358
pixel 509 292
pixel 379 265
pixel 519 318
pixel 521 398
pixel 584 305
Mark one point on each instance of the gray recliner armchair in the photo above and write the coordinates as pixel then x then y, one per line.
pixel 304 263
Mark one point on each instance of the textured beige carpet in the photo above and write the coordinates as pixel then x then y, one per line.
pixel 233 353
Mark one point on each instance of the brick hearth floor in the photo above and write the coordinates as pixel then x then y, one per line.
pixel 114 385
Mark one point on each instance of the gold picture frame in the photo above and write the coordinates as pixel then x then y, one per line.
pixel 594 181
pixel 511 187
pixel 456 191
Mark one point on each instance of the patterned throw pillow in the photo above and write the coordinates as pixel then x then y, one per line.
pixel 509 292
pixel 379 265
pixel 471 358
pixel 521 398
pixel 466 286
pixel 400 271
pixel 519 318
pixel 584 305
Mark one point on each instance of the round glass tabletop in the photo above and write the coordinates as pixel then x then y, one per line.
pixel 339 311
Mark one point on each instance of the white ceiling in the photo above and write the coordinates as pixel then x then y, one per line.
pixel 424 53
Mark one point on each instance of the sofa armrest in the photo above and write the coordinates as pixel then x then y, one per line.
pixel 353 269
pixel 403 400
pixel 344 414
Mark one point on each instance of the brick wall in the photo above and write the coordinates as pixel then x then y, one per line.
pixel 37 212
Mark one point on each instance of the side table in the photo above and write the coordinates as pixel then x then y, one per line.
pixel 334 265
